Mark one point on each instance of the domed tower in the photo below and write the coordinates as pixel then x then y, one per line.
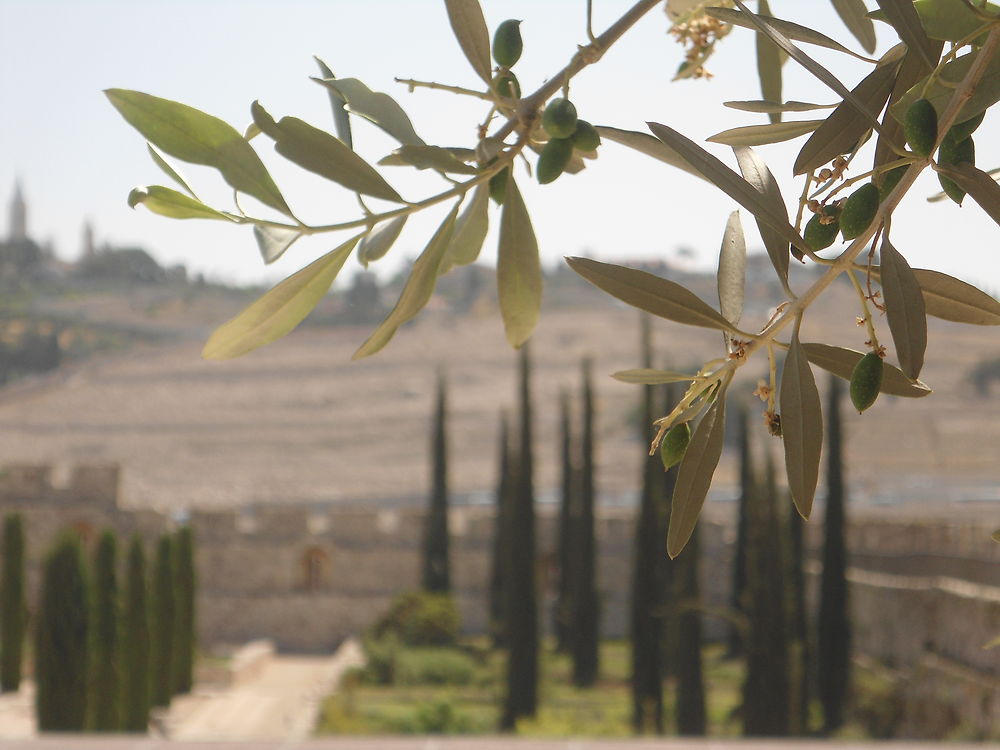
pixel 18 215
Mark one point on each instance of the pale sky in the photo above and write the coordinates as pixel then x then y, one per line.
pixel 77 159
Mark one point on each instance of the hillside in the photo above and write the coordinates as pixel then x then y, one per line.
pixel 298 421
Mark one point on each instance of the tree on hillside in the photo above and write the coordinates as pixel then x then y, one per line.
pixel 61 639
pixel 13 605
pixel 184 612
pixel 833 641
pixel 163 613
pixel 437 571
pixel 521 602
pixel 506 472
pixel 583 595
pixel 136 651
pixel 105 683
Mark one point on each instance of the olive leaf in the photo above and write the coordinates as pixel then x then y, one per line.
pixel 947 20
pixel 645 291
pixel 519 270
pixel 982 187
pixel 169 202
pixel 759 105
pixel 803 59
pixel 428 157
pixel 319 152
pixel 469 25
pixel 169 171
pixel 770 58
pixel 941 195
pixel 650 376
pixel 728 182
pixel 731 277
pixel 341 119
pixel 198 138
pixel 841 362
pixel 648 145
pixel 801 426
pixel 951 299
pixel 274 241
pixel 904 307
pixel 378 242
pixel 846 126
pixel 376 107
pixel 694 475
pixel 760 135
pixel 786 28
pixel 279 310
pixel 470 231
pixel 416 292
pixel 852 13
pixel 904 19
pixel 756 173
pixel 941 89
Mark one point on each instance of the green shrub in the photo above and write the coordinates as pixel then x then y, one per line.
pixel 439 717
pixel 381 655
pixel 434 666
pixel 420 618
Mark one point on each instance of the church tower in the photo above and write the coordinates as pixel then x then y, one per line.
pixel 18 227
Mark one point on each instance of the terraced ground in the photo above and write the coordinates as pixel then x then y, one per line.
pixel 298 421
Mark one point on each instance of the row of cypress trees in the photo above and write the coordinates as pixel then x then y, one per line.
pixel 768 577
pixel 102 660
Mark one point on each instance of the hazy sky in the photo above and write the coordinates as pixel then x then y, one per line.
pixel 77 159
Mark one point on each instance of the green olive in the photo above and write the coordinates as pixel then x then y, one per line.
pixel 920 127
pixel 585 137
pixel 675 444
pixel 507 44
pixel 553 159
pixel 559 118
pixel 858 211
pixel 866 381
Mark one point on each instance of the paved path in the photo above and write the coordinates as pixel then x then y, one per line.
pixel 281 703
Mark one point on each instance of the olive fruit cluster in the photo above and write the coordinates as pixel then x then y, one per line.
pixel 566 132
pixel 507 48
pixel 920 126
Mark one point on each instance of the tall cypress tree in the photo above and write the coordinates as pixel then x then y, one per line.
pixel 568 473
pixel 690 685
pixel 13 608
pixel 164 605
pixel 833 643
pixel 766 690
pixel 136 653
pixel 521 699
pixel 105 692
pixel 184 612
pixel 501 526
pixel 799 651
pixel 61 639
pixel 736 635
pixel 585 629
pixel 436 576
pixel 650 569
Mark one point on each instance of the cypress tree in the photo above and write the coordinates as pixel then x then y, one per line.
pixel 184 613
pixel 833 643
pixel 521 601
pixel 105 703
pixel 436 575
pixel 563 608
pixel 649 570
pixel 735 644
pixel 61 639
pixel 501 524
pixel 13 608
pixel 136 664
pixel 690 686
pixel 799 652
pixel 585 637
pixel 766 689
pixel 164 606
